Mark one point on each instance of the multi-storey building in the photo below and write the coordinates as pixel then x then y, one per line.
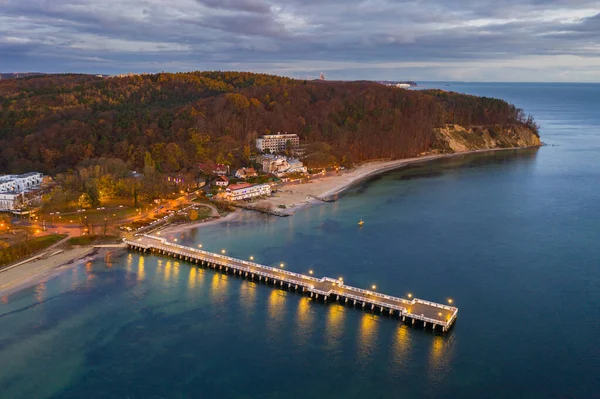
pixel 277 142
pixel 237 192
pixel 13 189
pixel 20 183
pixel 280 165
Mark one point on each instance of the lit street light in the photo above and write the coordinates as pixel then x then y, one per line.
pixel 374 287
pixel 310 272
pixel 281 265
pixel 222 251
pixel 450 301
pixel 252 258
pixel 410 295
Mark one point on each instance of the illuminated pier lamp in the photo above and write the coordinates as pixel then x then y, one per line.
pixel 252 258
pixel 199 245
pixel 450 301
pixel 409 295
pixel 310 272
pixel 222 251
pixel 281 265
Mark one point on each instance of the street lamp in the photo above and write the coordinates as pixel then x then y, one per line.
pixel 450 301
pixel 252 258
pixel 410 295
pixel 374 287
pixel 199 245
pixel 222 251
pixel 281 265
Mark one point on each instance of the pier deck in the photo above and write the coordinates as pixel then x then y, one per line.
pixel 429 313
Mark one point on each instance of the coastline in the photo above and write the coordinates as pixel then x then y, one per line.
pixel 324 189
pixel 35 272
pixel 293 196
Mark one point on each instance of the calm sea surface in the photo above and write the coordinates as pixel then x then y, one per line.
pixel 513 238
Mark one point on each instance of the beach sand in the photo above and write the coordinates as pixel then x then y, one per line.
pixel 31 273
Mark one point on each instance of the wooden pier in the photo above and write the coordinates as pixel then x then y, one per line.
pixel 429 314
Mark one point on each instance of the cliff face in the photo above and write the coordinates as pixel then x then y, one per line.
pixel 455 138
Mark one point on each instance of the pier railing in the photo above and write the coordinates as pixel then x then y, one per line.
pixel 425 311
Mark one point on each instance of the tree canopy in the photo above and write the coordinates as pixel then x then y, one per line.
pixel 52 123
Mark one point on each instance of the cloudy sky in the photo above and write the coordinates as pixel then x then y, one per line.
pixel 472 40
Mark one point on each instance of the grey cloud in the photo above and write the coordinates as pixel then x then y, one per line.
pixel 287 35
pixel 257 6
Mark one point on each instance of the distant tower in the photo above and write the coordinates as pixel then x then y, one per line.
pixel 322 76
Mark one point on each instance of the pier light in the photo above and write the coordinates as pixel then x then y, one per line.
pixel 175 239
pixel 450 301
pixel 341 279
pixel 281 265
pixel 310 272
pixel 410 295
pixel 222 251
pixel 252 258
pixel 374 287
pixel 199 245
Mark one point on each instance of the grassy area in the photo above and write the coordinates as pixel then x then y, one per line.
pixel 89 240
pixel 23 249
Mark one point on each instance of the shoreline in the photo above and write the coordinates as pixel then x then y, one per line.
pixel 32 273
pixel 297 196
pixel 302 195
pixel 178 228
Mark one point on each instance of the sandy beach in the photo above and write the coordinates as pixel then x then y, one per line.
pixel 32 273
pixel 292 196
pixel 296 196
pixel 178 228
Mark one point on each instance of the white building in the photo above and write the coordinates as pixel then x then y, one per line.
pixel 245 173
pixel 222 181
pixel 237 192
pixel 20 183
pixel 14 187
pixel 280 165
pixel 9 201
pixel 277 142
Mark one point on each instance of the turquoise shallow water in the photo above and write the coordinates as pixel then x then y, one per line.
pixel 512 237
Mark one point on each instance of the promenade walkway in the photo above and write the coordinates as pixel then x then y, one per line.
pixel 325 288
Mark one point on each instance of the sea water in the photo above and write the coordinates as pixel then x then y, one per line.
pixel 511 237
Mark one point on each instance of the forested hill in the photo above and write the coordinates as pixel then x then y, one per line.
pixel 53 122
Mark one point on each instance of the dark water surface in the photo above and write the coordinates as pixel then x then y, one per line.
pixel 512 237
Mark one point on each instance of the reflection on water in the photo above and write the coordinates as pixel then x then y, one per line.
pixel 167 272
pixel 40 292
pixel 275 311
pixel 90 275
pixel 74 278
pixel 218 288
pixel 401 348
pixel 248 297
pixel 176 266
pixel 141 273
pixel 440 356
pixel 192 278
pixel 129 262
pixel 335 325
pixel 367 336
pixel 159 270
pixel 304 319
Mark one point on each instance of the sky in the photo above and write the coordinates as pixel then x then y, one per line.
pixel 465 40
